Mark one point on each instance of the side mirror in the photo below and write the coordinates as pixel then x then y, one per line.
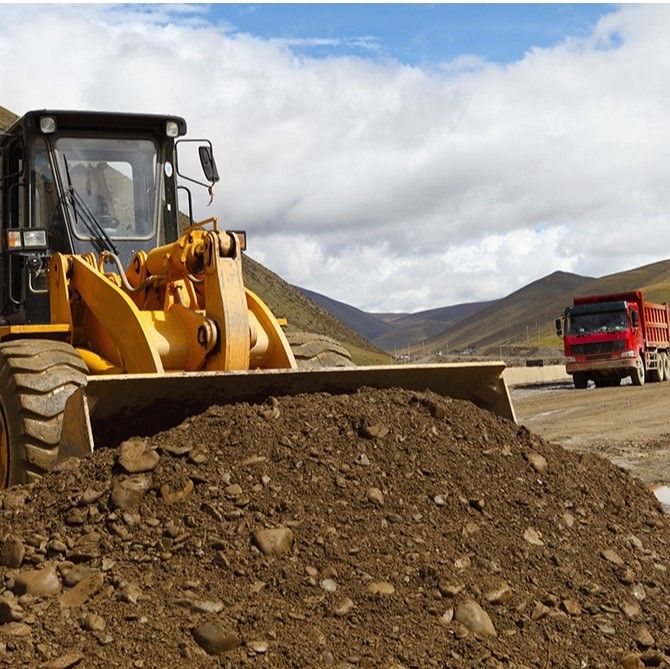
pixel 559 327
pixel 634 319
pixel 206 156
pixel 208 164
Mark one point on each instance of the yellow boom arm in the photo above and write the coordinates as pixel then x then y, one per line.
pixel 181 307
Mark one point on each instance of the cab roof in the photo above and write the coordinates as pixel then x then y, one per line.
pixel 98 120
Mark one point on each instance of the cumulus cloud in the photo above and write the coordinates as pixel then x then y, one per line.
pixel 383 185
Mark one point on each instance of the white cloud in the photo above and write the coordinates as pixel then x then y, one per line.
pixel 387 186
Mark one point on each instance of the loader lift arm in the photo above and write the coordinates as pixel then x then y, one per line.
pixel 181 307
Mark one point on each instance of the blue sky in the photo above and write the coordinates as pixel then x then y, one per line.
pixel 411 33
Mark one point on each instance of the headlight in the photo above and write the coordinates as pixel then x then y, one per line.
pixel 570 358
pixel 172 129
pixel 47 124
pixel 628 354
pixel 34 238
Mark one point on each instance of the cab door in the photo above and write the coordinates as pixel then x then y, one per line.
pixel 12 208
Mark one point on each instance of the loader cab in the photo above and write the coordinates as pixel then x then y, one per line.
pixel 73 182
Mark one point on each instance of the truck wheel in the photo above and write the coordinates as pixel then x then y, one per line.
pixel 657 375
pixel 637 375
pixel 666 366
pixel 36 378
pixel 580 380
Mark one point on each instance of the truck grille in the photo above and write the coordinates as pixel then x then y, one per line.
pixel 598 347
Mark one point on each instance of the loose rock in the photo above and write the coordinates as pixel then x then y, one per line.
pixel 136 457
pixel 214 639
pixel 470 614
pixel 128 492
pixel 38 582
pixel 274 541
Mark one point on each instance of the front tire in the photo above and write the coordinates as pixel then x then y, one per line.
pixel 580 380
pixel 37 376
pixel 637 375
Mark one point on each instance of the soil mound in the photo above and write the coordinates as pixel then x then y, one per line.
pixel 384 529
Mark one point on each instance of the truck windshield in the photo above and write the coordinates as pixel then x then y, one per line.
pixel 116 180
pixel 607 321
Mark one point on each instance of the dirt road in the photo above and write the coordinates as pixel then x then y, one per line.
pixel 628 425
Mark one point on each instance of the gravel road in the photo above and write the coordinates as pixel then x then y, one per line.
pixel 628 425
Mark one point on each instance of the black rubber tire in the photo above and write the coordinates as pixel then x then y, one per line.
pixel 638 374
pixel 666 366
pixel 315 351
pixel 657 375
pixel 580 380
pixel 36 378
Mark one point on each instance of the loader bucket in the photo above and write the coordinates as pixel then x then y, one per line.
pixel 112 408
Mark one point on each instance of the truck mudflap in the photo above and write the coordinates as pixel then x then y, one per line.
pixel 115 407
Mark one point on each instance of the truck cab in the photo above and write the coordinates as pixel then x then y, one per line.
pixel 73 182
pixel 611 337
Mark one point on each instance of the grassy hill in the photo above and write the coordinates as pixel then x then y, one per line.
pixel 367 325
pixel 409 329
pixel 392 331
pixel 515 318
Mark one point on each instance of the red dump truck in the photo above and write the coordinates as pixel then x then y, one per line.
pixel 607 338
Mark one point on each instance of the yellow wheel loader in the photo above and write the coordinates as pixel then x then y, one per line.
pixel 116 319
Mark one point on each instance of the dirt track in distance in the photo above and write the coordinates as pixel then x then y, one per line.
pixel 628 425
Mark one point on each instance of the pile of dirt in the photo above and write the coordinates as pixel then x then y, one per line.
pixel 383 529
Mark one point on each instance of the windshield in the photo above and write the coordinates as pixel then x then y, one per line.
pixel 114 179
pixel 607 321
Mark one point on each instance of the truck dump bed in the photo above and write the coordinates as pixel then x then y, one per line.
pixel 655 324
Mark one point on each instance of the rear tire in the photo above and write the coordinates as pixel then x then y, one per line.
pixel 315 351
pixel 37 376
pixel 637 375
pixel 580 380
pixel 657 375
pixel 666 366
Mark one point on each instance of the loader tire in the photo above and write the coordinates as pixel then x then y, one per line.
pixel 36 378
pixel 638 374
pixel 315 351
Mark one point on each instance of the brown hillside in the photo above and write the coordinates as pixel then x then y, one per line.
pixel 515 317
